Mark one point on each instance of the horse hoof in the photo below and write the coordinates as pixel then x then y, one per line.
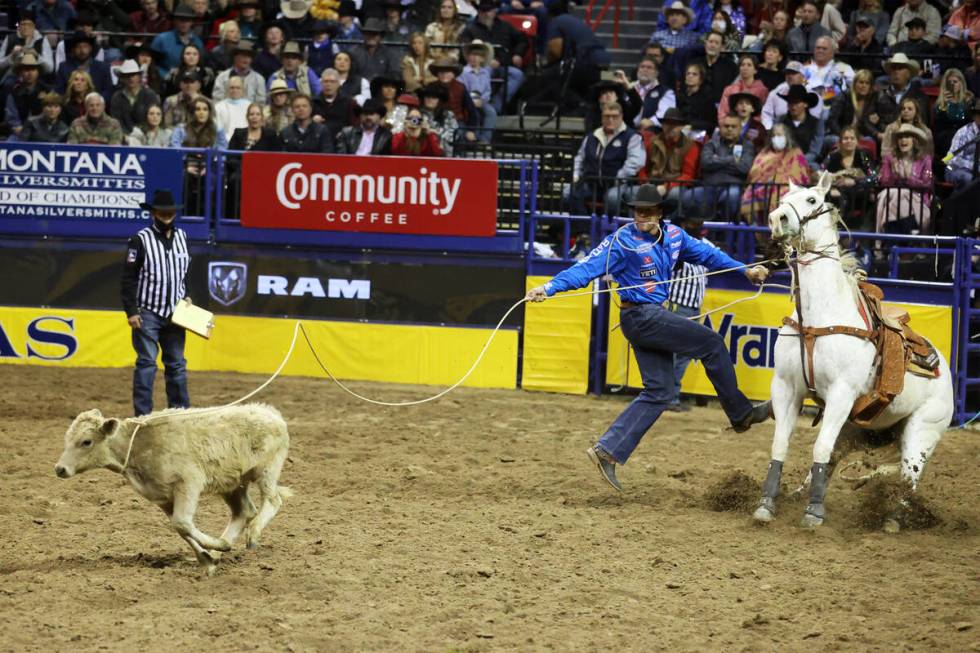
pixel 892 526
pixel 811 521
pixel 763 515
pixel 209 570
pixel 223 545
pixel 252 545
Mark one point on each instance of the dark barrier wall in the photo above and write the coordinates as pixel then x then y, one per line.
pixel 249 281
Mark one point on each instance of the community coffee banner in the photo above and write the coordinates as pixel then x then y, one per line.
pixel 262 282
pixel 57 189
pixel 377 194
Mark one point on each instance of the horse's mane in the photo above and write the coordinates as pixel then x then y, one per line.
pixel 848 261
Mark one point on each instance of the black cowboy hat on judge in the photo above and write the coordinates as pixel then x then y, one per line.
pixel 162 208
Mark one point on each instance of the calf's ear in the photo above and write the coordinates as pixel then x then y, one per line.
pixel 109 426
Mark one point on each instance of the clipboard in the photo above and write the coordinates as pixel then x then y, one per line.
pixel 193 318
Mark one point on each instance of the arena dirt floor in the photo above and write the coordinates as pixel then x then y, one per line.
pixel 475 524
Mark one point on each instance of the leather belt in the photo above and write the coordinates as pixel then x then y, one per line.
pixel 625 305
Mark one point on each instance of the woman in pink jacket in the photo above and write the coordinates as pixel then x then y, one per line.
pixel 906 181
pixel 747 82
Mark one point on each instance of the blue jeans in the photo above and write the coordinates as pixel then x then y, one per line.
pixel 488 121
pixel 657 335
pixel 725 198
pixel 680 360
pixel 157 334
pixel 958 176
pixel 515 77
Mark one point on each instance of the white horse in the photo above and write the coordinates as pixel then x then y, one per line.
pixel 843 365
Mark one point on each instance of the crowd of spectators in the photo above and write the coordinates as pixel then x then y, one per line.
pixel 725 102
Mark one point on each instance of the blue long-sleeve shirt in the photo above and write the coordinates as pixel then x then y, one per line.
pixel 634 258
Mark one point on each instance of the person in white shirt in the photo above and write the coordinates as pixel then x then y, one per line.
pixel 824 75
pixel 229 113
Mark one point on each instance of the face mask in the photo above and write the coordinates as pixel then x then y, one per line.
pixel 719 26
pixel 779 143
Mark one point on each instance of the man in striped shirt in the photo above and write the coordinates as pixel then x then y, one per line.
pixel 152 283
pixel 686 296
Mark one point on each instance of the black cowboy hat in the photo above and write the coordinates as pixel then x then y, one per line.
pixel 445 63
pixel 798 93
pixel 604 85
pixel 374 26
pixel 487 5
pixel 185 12
pixel 646 196
pixel 674 115
pixel 371 106
pixel 347 8
pixel 433 89
pixel 79 37
pixel 735 97
pixel 163 200
pixel 134 49
pixel 384 80
pixel 916 22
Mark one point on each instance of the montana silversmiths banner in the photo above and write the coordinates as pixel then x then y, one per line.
pixel 82 189
pixel 377 194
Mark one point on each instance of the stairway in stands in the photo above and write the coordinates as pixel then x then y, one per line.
pixel 633 33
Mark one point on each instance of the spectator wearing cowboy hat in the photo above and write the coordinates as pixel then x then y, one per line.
pixel 130 103
pixel 149 299
pixel 332 107
pixel 775 106
pixel 612 90
pixel 295 73
pixel 321 50
pixel 699 20
pixel 27 37
pixel 369 137
pixel 304 134
pixel 386 90
pixel 279 111
pixel 673 156
pixel 804 129
pixel 146 58
pixel 370 58
pixel 96 127
pixel 458 99
pixel 255 87
pixel 24 100
pixel 296 19
pixel 676 33
pixel 433 99
pixel 640 254
pixel 476 78
pixel 47 127
pixel 150 19
pixel 901 70
pixel 962 156
pixel 906 182
pixel 747 107
pixel 506 62
pixel 247 13
pixel 911 9
pixel 80 47
pixel 171 44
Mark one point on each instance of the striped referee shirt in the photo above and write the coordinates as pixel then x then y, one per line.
pixel 154 272
pixel 685 291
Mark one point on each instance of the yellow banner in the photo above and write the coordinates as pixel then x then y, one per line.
pixel 556 343
pixel 391 353
pixel 749 329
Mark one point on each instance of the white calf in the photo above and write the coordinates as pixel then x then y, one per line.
pixel 177 455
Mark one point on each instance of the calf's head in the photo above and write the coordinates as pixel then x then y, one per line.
pixel 86 444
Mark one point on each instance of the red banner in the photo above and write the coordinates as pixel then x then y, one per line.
pixel 386 194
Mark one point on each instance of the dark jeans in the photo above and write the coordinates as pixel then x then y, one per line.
pixel 158 334
pixel 657 335
pixel 680 360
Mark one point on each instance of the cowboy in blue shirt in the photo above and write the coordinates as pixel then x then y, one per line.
pixel 643 254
